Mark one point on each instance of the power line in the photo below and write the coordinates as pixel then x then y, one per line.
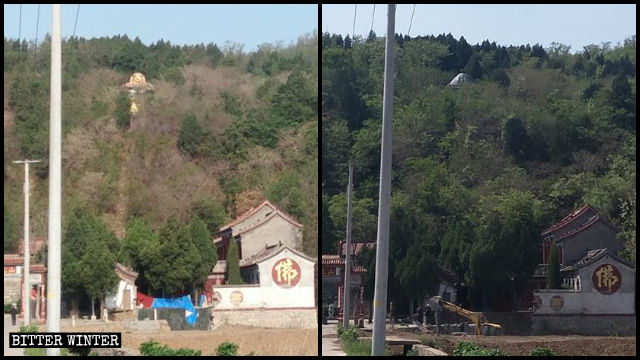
pixel 411 22
pixel 76 23
pixel 354 22
pixel 372 17
pixel 20 35
pixel 35 52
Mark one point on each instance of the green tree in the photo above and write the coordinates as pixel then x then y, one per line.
pixel 214 54
pixel 500 76
pixel 508 228
pixel 296 101
pixel 621 98
pixel 138 236
pixel 473 67
pixel 335 154
pixel 97 271
pixel 231 186
pixel 204 246
pixel 553 274
pixel 363 220
pixel 517 139
pixel 191 135
pixel 233 264
pixel 9 230
pixel 173 262
pixel 28 98
pixel 328 237
pixel 88 257
pixel 121 113
pixel 210 211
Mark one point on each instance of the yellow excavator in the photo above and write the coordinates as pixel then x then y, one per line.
pixel 482 327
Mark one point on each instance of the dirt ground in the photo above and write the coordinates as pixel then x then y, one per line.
pixel 260 341
pixel 572 345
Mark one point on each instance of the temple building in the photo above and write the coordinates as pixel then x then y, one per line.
pixel 14 284
pixel 258 232
pixel 574 236
pixel 137 84
pixel 333 282
pixel 124 297
pixel 279 289
pixel 598 287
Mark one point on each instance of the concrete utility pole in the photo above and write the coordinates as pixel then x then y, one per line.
pixel 55 175
pixel 347 256
pixel 382 252
pixel 26 305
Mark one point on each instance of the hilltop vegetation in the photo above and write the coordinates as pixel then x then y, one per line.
pixel 479 171
pixel 222 130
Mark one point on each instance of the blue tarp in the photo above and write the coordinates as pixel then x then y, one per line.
pixel 181 302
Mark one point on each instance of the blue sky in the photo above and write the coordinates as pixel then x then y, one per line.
pixel 575 25
pixel 250 25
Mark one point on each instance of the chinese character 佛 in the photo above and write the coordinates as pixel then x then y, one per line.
pixel 286 272
pixel 606 277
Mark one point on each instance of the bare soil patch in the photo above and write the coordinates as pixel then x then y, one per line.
pixel 572 345
pixel 260 341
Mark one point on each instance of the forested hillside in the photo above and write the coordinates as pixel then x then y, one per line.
pixel 480 170
pixel 222 130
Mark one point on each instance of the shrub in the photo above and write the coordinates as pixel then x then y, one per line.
pixel 33 328
pixel 7 307
pixel 152 348
pixel 173 74
pixel 191 135
pixel 121 113
pixel 466 348
pixel 227 349
pixel 360 348
pixel 43 352
pixel 542 351
pixel 357 348
pixel 347 334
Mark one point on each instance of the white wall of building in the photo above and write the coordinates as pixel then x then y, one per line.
pixel 588 300
pixel 268 294
pixel 274 231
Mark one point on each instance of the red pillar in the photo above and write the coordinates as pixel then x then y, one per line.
pixel 43 313
pixel 361 317
pixel 21 317
pixel 340 302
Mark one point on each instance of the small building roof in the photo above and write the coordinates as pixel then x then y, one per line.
pixel 338 260
pixel 257 257
pixel 586 225
pixel 567 219
pixel 460 79
pixel 126 273
pixel 253 210
pixel 270 252
pixel 591 257
pixel 18 260
pixel 332 260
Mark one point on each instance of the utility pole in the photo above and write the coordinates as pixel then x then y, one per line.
pixel 382 248
pixel 347 256
pixel 26 305
pixel 55 174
